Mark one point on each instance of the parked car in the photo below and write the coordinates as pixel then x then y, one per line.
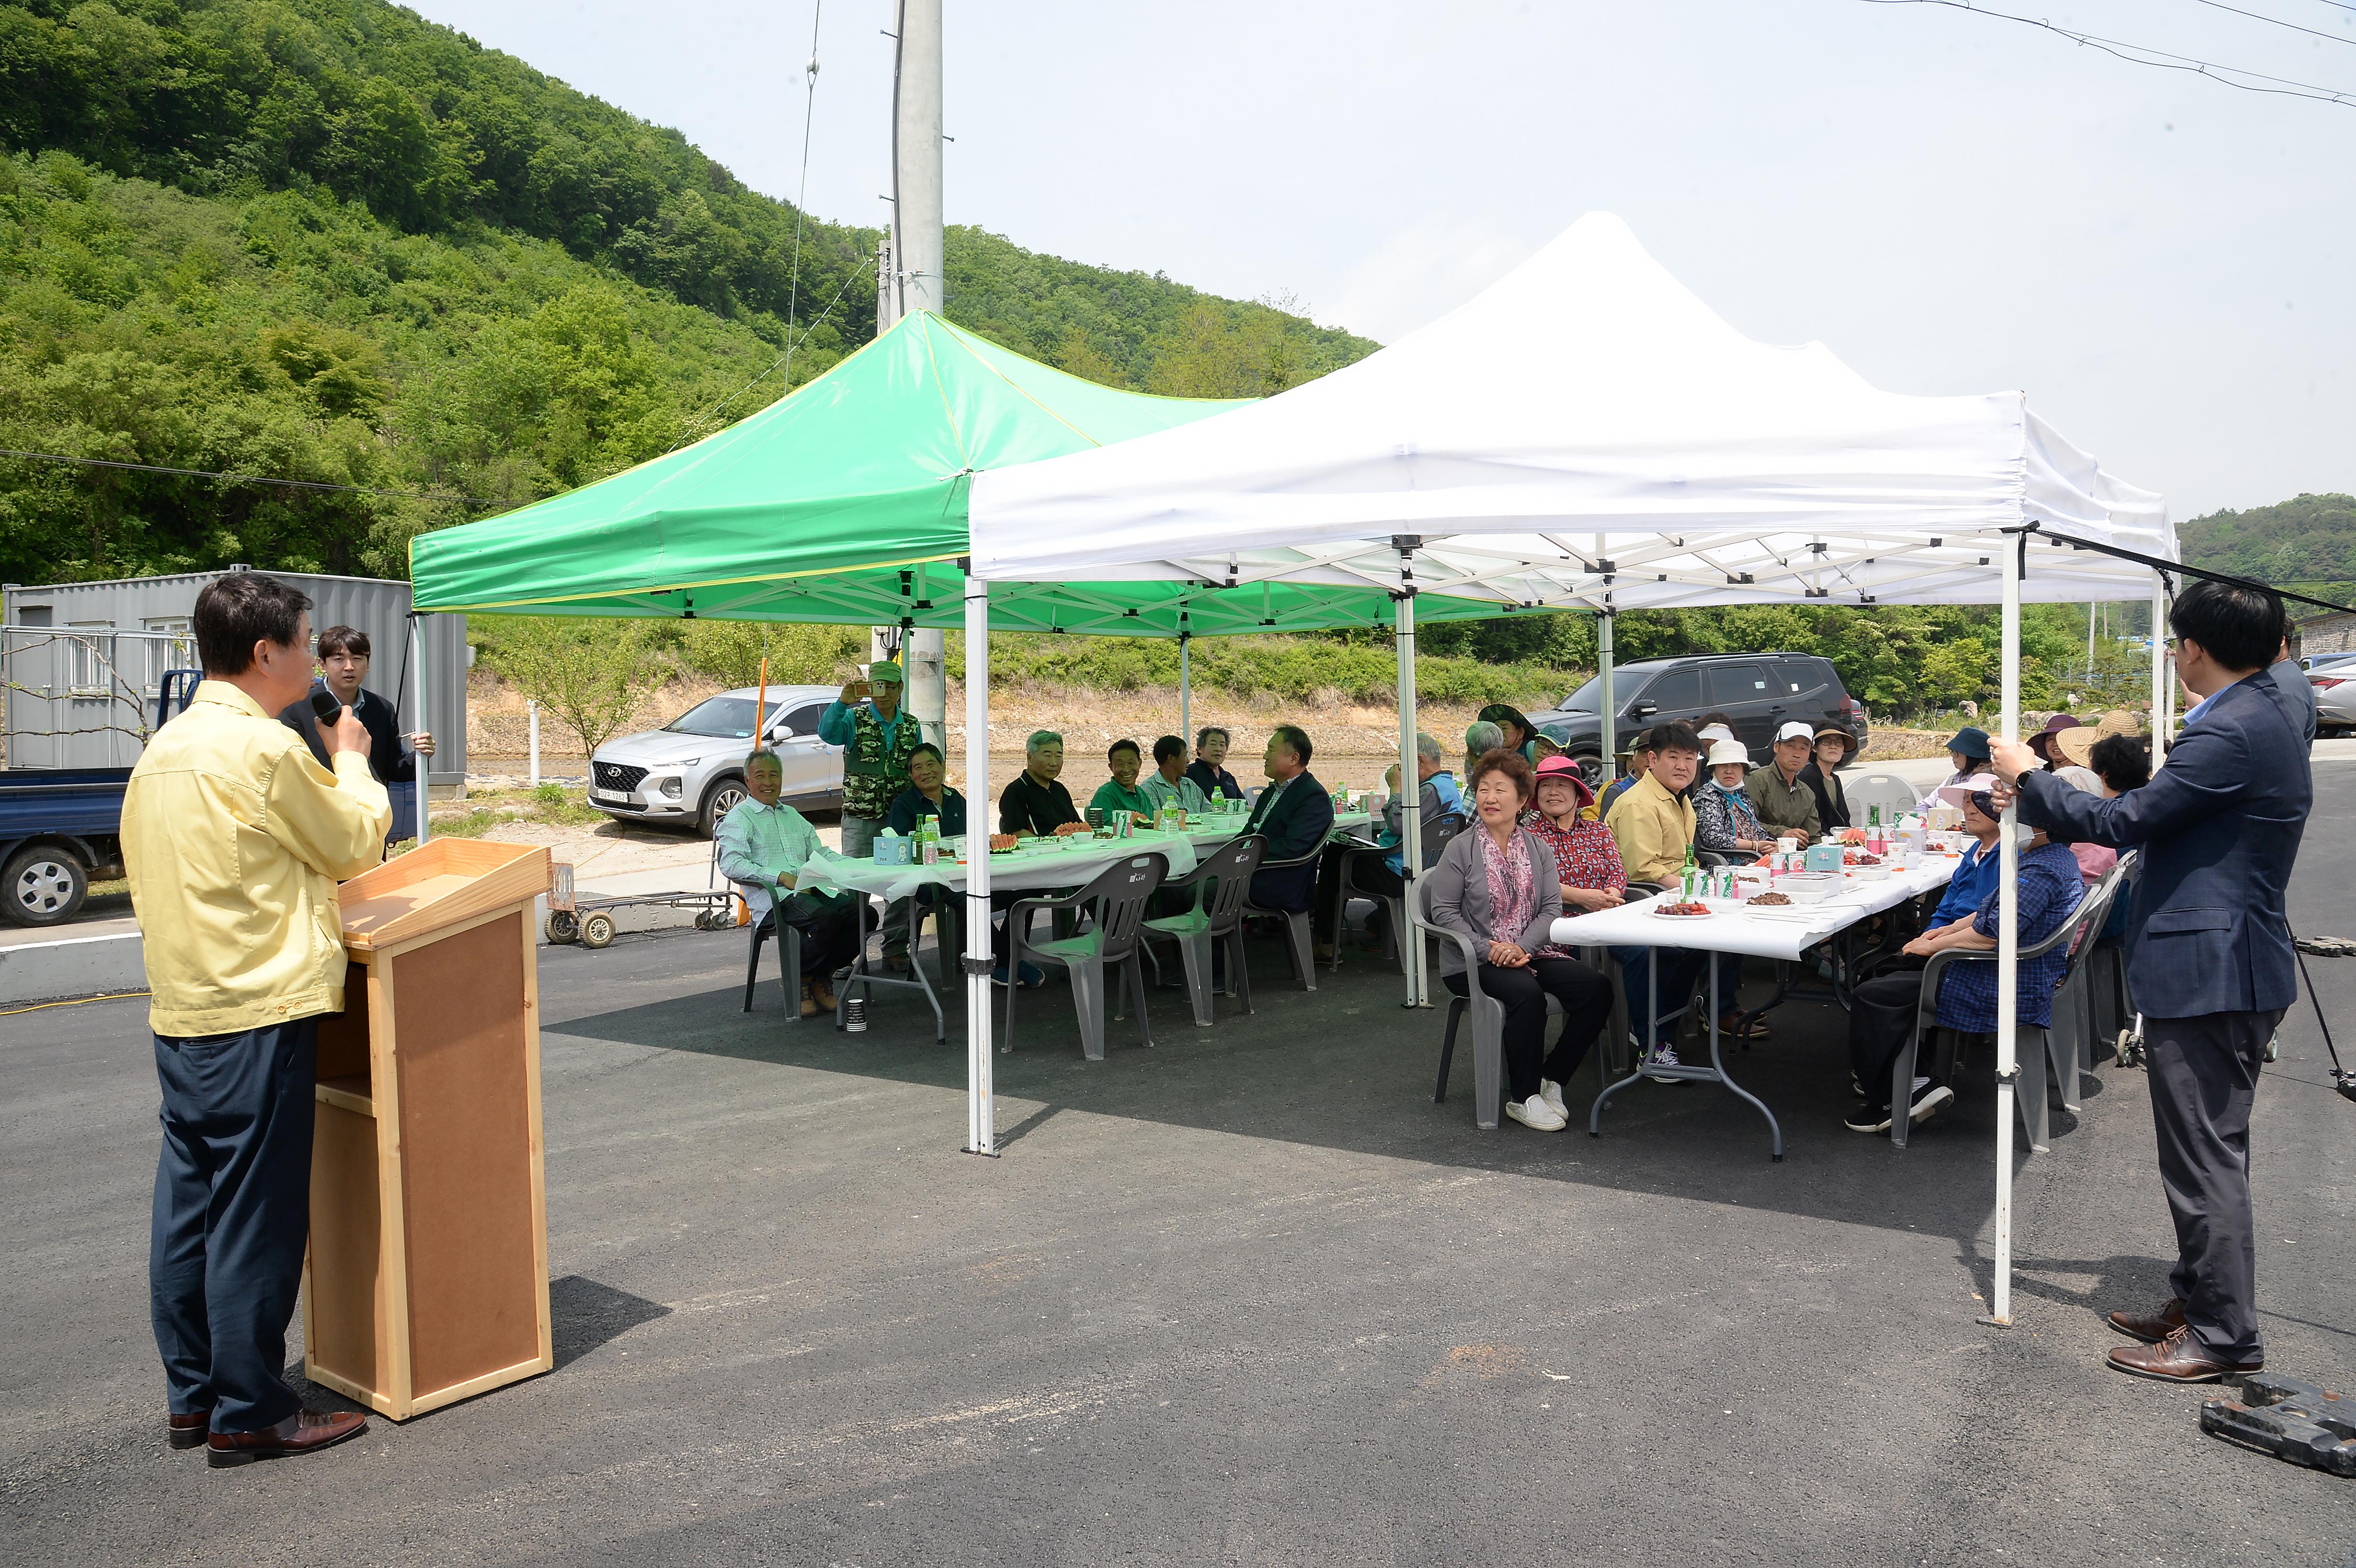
pixel 1762 692
pixel 692 771
pixel 2335 698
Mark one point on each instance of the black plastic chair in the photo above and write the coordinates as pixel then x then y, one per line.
pixel 1442 835
pixel 2034 1049
pixel 1116 903
pixel 789 955
pixel 1295 920
pixel 1220 882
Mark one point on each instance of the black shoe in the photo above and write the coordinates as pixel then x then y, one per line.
pixel 1869 1119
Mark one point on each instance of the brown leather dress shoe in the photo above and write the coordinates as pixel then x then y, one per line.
pixel 304 1432
pixel 2151 1326
pixel 2178 1359
pixel 188 1431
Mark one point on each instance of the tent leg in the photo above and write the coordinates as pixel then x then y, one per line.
pixel 1410 784
pixel 424 770
pixel 1185 704
pixel 2162 689
pixel 2008 953
pixel 981 1126
pixel 1610 760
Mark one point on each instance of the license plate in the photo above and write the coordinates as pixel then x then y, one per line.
pixel 613 794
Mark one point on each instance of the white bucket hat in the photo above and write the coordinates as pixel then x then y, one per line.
pixel 1715 732
pixel 1726 751
pixel 1795 731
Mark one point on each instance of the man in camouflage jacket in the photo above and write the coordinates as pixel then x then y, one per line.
pixel 877 736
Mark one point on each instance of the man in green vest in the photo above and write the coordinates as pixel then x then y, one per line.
pixel 877 737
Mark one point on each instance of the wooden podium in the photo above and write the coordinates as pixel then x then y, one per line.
pixel 427 1276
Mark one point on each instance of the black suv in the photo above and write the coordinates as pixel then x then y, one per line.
pixel 1762 692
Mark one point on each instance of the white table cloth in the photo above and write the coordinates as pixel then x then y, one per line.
pixel 1779 931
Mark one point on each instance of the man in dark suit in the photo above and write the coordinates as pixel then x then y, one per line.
pixel 1295 812
pixel 2294 691
pixel 2210 962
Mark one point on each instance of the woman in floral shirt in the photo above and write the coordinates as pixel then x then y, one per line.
pixel 1586 856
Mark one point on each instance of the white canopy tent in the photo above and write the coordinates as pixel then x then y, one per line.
pixel 1587 433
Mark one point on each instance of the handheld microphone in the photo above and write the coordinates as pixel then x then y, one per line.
pixel 325 706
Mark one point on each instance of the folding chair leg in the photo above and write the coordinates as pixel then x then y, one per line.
pixel 2028 1088
pixel 789 955
pixel 1901 1091
pixel 753 966
pixel 1304 959
pixel 1133 976
pixel 1088 1000
pixel 1448 1047
pixel 1194 950
pixel 1488 1063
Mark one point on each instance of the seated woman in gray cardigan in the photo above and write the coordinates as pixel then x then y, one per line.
pixel 1497 884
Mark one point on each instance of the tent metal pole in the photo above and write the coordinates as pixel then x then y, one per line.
pixel 981 1121
pixel 1185 703
pixel 2159 663
pixel 2007 952
pixel 1411 784
pixel 424 775
pixel 1610 760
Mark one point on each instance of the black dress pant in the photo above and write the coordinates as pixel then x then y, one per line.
pixel 1586 998
pixel 828 924
pixel 1881 1013
pixel 2204 1074
pixel 232 1211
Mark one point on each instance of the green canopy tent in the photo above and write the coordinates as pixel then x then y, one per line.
pixel 845 503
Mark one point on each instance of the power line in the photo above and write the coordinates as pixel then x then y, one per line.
pixel 2140 54
pixel 2294 27
pixel 801 196
pixel 252 479
pixel 858 270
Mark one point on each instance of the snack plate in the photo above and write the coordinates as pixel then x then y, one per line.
pixel 1667 914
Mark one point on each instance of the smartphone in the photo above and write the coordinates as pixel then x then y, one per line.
pixel 325 706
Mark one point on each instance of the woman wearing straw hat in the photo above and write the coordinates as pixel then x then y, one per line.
pixel 2073 745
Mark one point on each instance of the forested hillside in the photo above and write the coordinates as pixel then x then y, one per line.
pixel 326 240
pixel 2310 541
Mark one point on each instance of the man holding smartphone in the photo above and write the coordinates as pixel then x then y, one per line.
pixel 234 838
pixel 877 737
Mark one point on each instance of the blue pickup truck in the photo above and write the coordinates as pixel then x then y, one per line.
pixel 59 831
pixel 61 828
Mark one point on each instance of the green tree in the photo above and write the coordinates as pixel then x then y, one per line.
pixel 589 674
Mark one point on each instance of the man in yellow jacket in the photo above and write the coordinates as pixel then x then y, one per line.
pixel 235 837
pixel 1654 824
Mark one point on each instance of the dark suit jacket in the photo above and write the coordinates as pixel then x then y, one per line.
pixel 391 760
pixel 1295 823
pixel 2218 826
pixel 2296 695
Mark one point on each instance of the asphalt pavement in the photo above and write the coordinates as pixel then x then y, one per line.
pixel 1249 1296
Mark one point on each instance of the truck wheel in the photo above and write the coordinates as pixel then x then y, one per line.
pixel 41 885
pixel 562 926
pixel 597 929
pixel 719 801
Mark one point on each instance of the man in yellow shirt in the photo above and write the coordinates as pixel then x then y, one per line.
pixel 1654 824
pixel 235 836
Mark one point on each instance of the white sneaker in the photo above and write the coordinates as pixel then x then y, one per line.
pixel 1663 1056
pixel 1926 1104
pixel 1921 1082
pixel 1537 1115
pixel 1552 1092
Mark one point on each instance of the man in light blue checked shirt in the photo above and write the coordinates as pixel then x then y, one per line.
pixel 764 846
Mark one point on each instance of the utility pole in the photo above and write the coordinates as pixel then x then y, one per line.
pixel 916 269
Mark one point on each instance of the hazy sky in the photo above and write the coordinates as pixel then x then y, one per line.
pixel 1951 203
